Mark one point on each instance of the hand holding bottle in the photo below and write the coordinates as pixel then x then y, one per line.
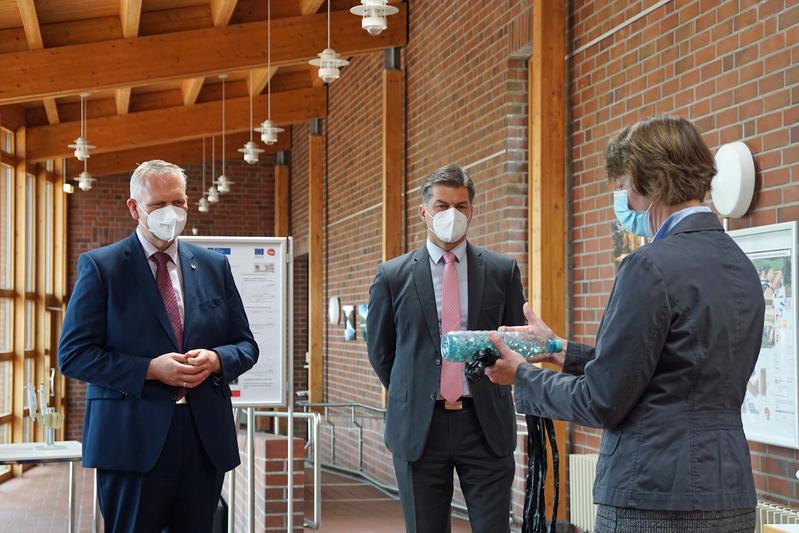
pixel 536 326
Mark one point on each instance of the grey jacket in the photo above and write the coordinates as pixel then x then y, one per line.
pixel 674 351
pixel 404 345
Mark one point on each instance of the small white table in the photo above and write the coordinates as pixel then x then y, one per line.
pixel 70 451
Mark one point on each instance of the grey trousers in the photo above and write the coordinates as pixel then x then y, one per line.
pixel 456 442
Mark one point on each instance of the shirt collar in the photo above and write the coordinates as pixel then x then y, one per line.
pixel 677 217
pixel 436 253
pixel 149 249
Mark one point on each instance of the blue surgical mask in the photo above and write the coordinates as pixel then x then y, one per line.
pixel 636 222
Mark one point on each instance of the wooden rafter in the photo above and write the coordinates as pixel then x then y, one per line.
pixel 130 15
pixel 190 89
pixel 181 153
pixel 260 78
pixel 222 10
pixel 309 7
pixel 26 76
pixel 173 124
pixel 30 22
pixel 122 100
pixel 51 109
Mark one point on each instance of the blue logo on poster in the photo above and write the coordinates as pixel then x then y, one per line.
pixel 259 251
pixel 223 251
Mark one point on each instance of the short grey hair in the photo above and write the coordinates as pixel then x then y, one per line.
pixel 155 167
pixel 449 176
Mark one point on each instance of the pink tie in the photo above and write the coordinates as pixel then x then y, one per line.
pixel 170 299
pixel 451 373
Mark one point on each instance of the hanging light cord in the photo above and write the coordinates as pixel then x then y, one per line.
pixel 204 191
pixel 328 23
pixel 213 155
pixel 250 91
pixel 269 60
pixel 83 116
pixel 223 125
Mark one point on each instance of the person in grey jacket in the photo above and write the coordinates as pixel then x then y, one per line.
pixel 675 348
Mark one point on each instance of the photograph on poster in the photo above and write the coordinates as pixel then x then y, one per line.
pixel 363 309
pixel 349 322
pixel 769 412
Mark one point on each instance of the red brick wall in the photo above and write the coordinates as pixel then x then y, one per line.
pixel 731 67
pixel 100 217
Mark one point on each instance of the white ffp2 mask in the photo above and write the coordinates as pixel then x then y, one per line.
pixel 450 225
pixel 166 222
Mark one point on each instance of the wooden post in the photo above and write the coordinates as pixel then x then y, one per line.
pixel 316 152
pixel 547 187
pixel 282 185
pixel 393 183
pixel 21 245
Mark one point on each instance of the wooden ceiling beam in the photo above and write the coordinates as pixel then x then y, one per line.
pixel 190 88
pixel 148 128
pixel 122 100
pixel 261 78
pixel 51 109
pixel 33 34
pixel 222 10
pixel 130 15
pixel 137 61
pixel 309 7
pixel 182 153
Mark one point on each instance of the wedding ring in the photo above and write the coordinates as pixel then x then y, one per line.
pixel 184 384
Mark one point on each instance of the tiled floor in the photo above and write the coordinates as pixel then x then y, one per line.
pixel 37 503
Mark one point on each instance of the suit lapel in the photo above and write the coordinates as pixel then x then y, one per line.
pixel 137 263
pixel 423 280
pixel 188 269
pixel 476 271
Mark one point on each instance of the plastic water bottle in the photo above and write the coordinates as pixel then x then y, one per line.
pixel 460 346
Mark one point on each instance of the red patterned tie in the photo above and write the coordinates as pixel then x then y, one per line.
pixel 170 299
pixel 451 373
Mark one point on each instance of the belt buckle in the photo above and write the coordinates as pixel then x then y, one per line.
pixel 453 406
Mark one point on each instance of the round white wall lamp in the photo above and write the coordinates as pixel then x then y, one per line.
pixel 734 183
pixel 333 310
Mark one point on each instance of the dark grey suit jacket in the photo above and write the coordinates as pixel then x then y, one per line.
pixel 674 352
pixel 404 345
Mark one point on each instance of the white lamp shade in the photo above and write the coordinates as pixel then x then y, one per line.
pixel 734 183
pixel 213 194
pixel 329 63
pixel 203 205
pixel 251 151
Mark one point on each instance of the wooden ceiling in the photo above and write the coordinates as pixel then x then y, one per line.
pixel 151 68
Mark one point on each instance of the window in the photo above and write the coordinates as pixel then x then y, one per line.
pixel 48 238
pixel 5 387
pixel 6 334
pixel 7 140
pixel 29 322
pixel 6 193
pixel 30 234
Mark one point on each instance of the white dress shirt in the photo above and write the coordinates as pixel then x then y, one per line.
pixel 437 270
pixel 172 267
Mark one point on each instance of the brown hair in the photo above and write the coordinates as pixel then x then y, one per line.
pixel 450 176
pixel 665 157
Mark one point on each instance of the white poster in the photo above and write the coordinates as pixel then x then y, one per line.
pixel 769 412
pixel 261 271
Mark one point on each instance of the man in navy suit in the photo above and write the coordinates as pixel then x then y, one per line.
pixel 158 330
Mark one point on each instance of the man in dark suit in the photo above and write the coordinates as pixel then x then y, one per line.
pixel 158 330
pixel 436 420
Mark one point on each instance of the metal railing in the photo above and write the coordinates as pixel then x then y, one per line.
pixel 312 443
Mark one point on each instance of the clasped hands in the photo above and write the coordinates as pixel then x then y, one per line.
pixel 503 372
pixel 184 370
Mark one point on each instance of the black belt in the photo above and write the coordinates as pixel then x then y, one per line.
pixel 464 402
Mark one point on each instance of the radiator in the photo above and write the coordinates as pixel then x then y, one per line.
pixel 772 513
pixel 582 512
pixel 582 471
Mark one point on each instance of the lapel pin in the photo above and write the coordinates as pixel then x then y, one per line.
pixel 193 266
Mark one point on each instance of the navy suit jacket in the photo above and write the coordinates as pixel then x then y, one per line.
pixel 116 323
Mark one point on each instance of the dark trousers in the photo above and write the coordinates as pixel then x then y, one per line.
pixel 456 442
pixel 178 495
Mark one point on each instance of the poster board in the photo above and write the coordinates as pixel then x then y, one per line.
pixel 770 409
pixel 261 268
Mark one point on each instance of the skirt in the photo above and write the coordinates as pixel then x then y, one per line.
pixel 611 519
